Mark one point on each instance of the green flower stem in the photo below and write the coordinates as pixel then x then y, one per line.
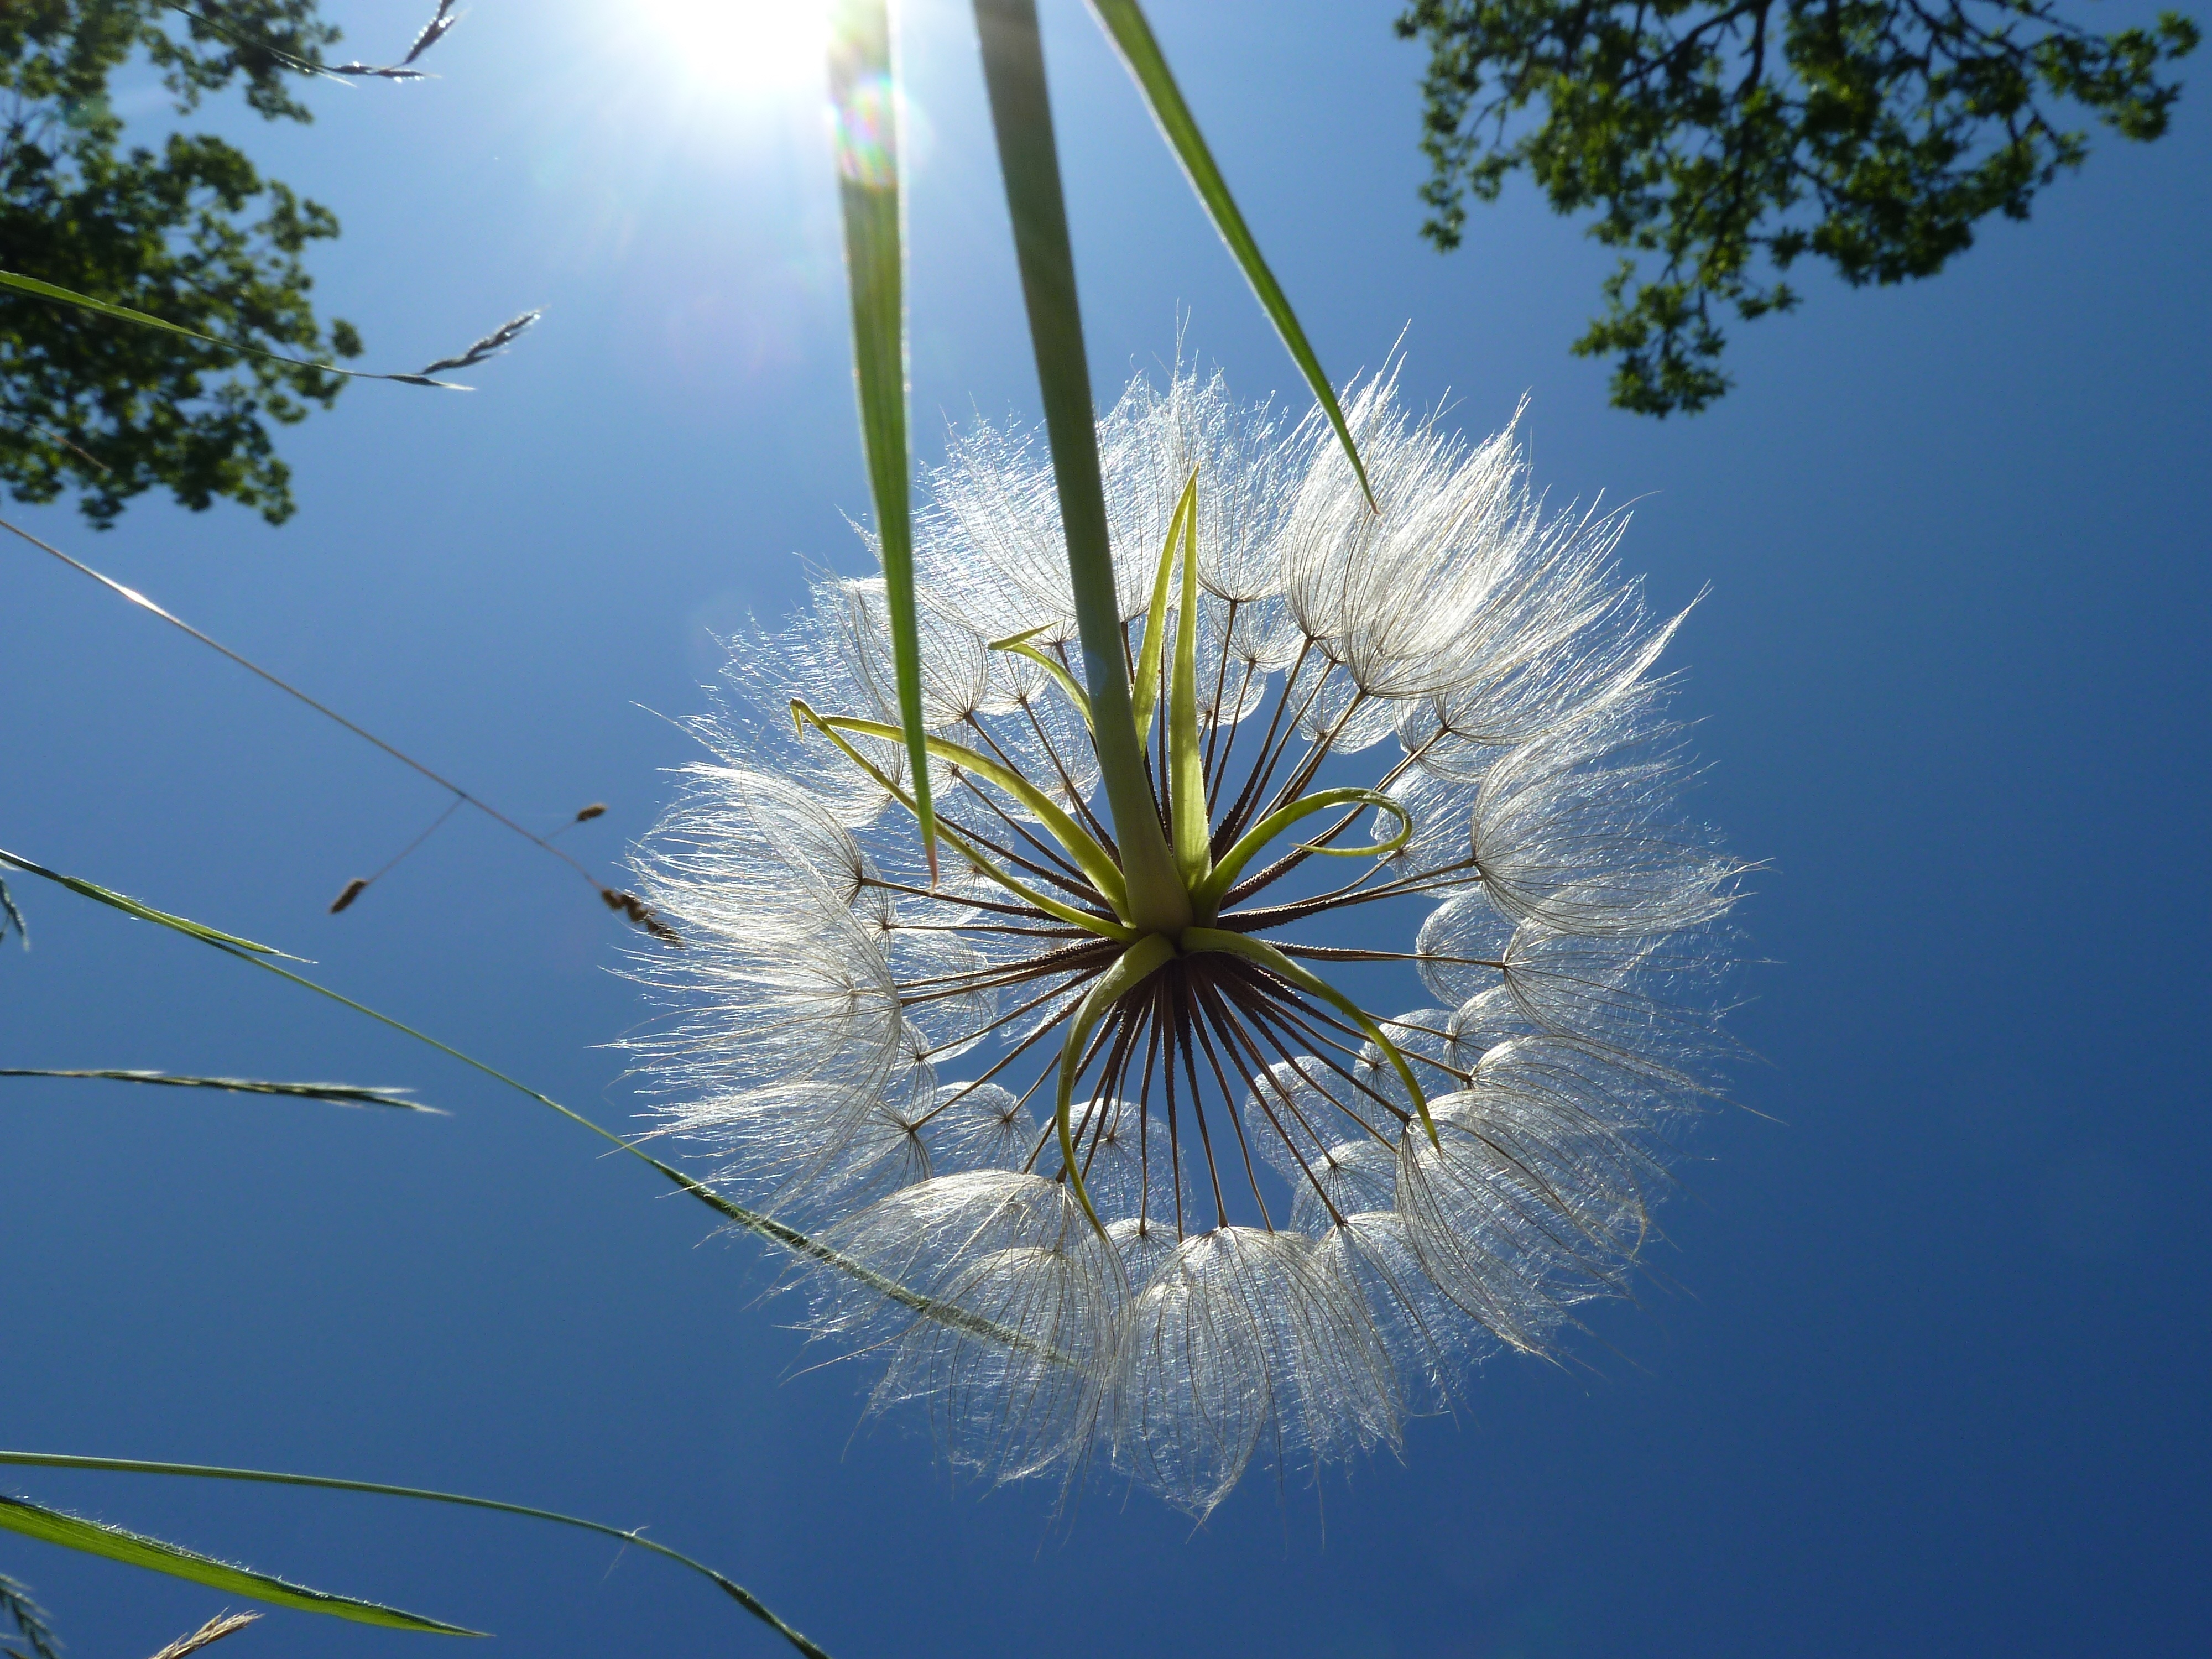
pixel 1252 949
pixel 1021 117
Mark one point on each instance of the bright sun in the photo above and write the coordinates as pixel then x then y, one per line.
pixel 758 46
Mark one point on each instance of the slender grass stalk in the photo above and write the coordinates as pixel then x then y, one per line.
pixel 752 1221
pixel 736 1592
pixel 425 376
pixel 614 898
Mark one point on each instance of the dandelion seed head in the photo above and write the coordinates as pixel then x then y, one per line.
pixel 1231 1214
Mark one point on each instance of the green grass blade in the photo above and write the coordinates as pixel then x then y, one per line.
pixel 736 1592
pixel 44 290
pixel 135 1549
pixel 132 907
pixel 1028 159
pixel 338 1094
pixel 1124 21
pixel 864 95
pixel 766 1226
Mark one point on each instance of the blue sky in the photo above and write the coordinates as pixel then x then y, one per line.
pixel 1920 1369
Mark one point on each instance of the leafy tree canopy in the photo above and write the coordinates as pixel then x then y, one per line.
pixel 191 232
pixel 1720 142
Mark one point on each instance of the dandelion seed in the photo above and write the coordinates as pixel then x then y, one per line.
pixel 1207 1206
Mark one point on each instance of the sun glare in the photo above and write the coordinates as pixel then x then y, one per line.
pixel 760 47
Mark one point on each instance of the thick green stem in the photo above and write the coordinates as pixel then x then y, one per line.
pixel 1021 116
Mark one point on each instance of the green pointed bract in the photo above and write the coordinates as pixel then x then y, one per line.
pixel 1092 857
pixel 864 99
pixel 1144 689
pixel 1252 949
pixel 1052 906
pixel 1207 895
pixel 1134 966
pixel 1188 815
pixel 1018 645
pixel 1124 21
pixel 135 1549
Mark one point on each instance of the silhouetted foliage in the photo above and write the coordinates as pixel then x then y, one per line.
pixel 1722 143
pixel 191 232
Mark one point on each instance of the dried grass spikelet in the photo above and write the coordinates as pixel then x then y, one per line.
pixel 1256 1221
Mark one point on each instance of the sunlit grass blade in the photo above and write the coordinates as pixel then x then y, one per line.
pixel 45 291
pixel 337 1094
pixel 766 1226
pixel 135 1549
pixel 1028 159
pixel 865 97
pixel 737 1593
pixel 1124 21
pixel 132 907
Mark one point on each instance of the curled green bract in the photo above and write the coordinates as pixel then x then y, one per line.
pixel 1259 950
pixel 1207 896
pixel 1018 645
pixel 1134 966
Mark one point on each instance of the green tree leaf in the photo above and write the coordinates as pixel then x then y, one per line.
pixel 1718 141
pixel 190 231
